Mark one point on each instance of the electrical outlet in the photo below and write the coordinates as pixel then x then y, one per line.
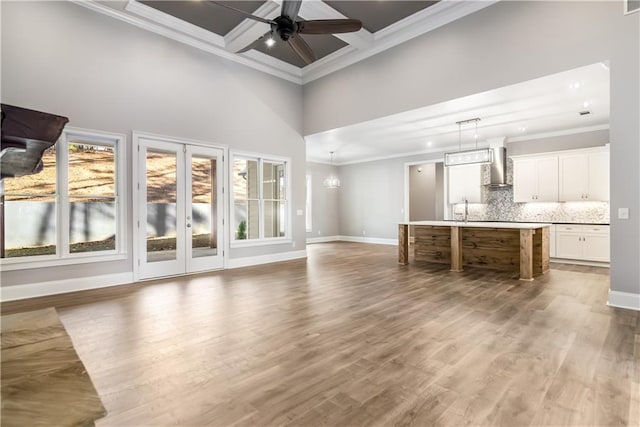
pixel 293 244
pixel 299 212
pixel 319 233
pixel 623 213
pixel 364 233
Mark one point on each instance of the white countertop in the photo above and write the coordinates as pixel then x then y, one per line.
pixel 516 225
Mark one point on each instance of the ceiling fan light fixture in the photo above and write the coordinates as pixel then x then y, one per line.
pixel 270 41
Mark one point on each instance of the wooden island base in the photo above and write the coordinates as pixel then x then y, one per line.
pixel 523 250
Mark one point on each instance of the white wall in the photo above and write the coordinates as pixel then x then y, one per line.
pixel 324 201
pixel 507 43
pixel 111 76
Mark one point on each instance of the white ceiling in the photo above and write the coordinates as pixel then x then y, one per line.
pixel 518 112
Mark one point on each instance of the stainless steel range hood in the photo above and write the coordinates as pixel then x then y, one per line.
pixel 498 169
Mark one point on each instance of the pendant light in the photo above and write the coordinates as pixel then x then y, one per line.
pixel 331 181
pixel 467 157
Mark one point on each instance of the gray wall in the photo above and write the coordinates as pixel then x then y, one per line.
pixel 558 143
pixel 504 44
pixel 107 75
pixel 324 201
pixel 372 196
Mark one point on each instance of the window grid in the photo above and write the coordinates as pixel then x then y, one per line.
pixel 61 199
pixel 283 202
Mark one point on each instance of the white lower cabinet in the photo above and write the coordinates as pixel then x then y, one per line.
pixel 583 242
pixel 552 241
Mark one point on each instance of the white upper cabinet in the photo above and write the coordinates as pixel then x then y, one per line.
pixel 584 176
pixel 535 179
pixel 465 182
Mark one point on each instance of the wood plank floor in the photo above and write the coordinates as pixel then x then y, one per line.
pixel 349 337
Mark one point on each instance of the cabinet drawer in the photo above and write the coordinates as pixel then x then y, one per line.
pixel 568 228
pixel 595 229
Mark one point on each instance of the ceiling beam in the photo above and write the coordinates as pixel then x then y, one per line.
pixel 249 30
pixel 314 9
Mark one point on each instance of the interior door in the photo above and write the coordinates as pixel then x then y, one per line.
pixel 180 208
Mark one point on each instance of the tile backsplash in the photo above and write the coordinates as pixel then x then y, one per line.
pixel 499 206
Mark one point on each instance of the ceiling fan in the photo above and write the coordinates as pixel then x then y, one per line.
pixel 287 28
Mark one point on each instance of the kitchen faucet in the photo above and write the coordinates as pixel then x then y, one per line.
pixel 466 210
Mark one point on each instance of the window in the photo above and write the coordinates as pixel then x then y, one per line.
pixel 260 199
pixel 308 205
pixel 72 208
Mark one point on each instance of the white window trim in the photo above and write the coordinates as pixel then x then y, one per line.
pixel 308 214
pixel 63 256
pixel 262 241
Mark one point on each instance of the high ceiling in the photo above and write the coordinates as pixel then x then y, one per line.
pixel 548 105
pixel 223 32
pixel 375 15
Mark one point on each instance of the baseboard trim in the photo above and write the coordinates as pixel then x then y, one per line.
pixel 624 300
pixel 354 239
pixel 580 262
pixel 374 240
pixel 265 259
pixel 33 290
pixel 323 239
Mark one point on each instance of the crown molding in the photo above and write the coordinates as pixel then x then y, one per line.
pixel 422 22
pixel 361 45
pixel 284 71
pixel 174 23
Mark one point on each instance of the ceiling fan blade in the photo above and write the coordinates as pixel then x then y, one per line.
pixel 329 26
pixel 256 43
pixel 290 8
pixel 242 12
pixel 302 49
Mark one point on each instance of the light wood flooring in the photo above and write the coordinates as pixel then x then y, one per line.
pixel 349 337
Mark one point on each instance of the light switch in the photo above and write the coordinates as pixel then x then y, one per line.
pixel 623 213
pixel 300 212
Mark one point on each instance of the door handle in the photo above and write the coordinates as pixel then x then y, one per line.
pixel 188 225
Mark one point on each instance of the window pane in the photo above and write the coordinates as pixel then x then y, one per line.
pixel 43 182
pixel 274 219
pixel 245 179
pixel 29 225
pixel 92 170
pixel 204 239
pixel 29 219
pixel 92 224
pixel 161 206
pixel 246 214
pixel 273 183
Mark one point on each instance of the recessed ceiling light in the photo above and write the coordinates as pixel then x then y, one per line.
pixel 575 85
pixel 586 104
pixel 522 129
pixel 429 143
pixel 270 42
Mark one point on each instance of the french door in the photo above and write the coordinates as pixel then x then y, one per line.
pixel 180 208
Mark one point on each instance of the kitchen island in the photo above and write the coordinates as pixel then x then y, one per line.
pixel 507 246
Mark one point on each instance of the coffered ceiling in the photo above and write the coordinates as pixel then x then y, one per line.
pixel 223 32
